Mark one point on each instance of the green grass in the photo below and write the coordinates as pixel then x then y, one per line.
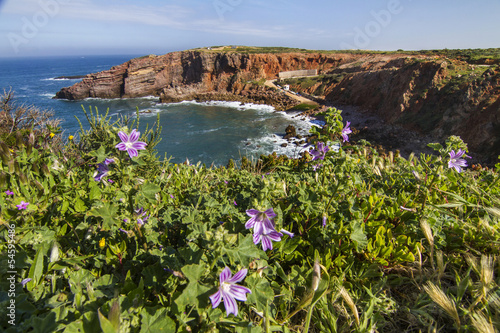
pixel 380 242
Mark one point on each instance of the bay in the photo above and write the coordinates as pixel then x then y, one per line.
pixel 210 132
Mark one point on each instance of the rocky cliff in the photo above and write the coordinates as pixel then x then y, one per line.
pixel 430 94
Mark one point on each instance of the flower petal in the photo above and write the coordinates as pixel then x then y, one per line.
pixel 239 292
pixel 121 146
pixel 256 238
pixel 268 226
pixel 270 213
pixel 275 236
pixel 132 152
pixel 266 243
pixel 123 136
pixel 290 234
pixel 250 223
pixel 134 136
pixel 225 274
pixel 139 145
pixel 238 276
pixel 215 299
pixel 252 212
pixel 258 228
pixel 230 304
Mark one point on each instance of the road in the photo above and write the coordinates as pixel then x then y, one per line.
pixel 270 83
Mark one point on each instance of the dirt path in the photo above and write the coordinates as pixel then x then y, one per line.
pixel 270 83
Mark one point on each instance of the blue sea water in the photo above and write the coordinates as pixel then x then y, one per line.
pixel 211 132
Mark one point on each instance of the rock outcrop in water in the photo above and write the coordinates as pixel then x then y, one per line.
pixel 430 94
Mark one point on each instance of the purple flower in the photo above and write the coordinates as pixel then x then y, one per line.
pixel 290 234
pixel 229 291
pixel 8 192
pixel 320 152
pixel 456 161
pixel 324 220
pixel 260 221
pixel 25 281
pixel 317 166
pixel 22 205
pixel 141 216
pixel 130 143
pixel 102 170
pixel 346 130
pixel 266 239
pixel 108 161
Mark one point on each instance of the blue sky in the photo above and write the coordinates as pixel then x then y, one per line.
pixel 86 27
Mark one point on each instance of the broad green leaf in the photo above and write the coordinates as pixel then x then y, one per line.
pixel 80 206
pixel 246 251
pixel 95 192
pixel 194 293
pixel 156 320
pixel 358 236
pixel 107 213
pixel 262 293
pixel 149 191
pixel 45 324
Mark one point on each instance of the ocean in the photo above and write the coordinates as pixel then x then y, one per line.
pixel 210 132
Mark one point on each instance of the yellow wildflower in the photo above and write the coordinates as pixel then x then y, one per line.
pixel 71 137
pixel 52 135
pixel 102 243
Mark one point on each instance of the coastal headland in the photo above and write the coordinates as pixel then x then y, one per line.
pixel 437 93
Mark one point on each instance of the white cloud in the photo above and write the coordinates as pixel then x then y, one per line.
pixel 178 17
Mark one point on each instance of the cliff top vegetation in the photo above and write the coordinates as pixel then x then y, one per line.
pixel 473 56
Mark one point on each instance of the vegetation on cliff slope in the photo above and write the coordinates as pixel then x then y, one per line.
pixel 343 240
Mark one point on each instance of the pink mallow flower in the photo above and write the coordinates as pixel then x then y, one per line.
pixel 23 205
pixel 229 291
pixel 267 239
pixel 346 130
pixel 260 221
pixel 320 152
pixel 456 161
pixel 130 143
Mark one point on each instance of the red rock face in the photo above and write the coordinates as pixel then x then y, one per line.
pixel 416 91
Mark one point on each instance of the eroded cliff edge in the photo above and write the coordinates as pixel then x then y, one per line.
pixel 431 94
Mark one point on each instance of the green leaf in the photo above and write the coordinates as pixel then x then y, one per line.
pixel 107 213
pixel 87 323
pixel 435 146
pixel 106 325
pixel 194 293
pixel 156 320
pixel 246 251
pixel 358 236
pixel 80 206
pixel 262 293
pixel 149 191
pixel 36 269
pixel 46 324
